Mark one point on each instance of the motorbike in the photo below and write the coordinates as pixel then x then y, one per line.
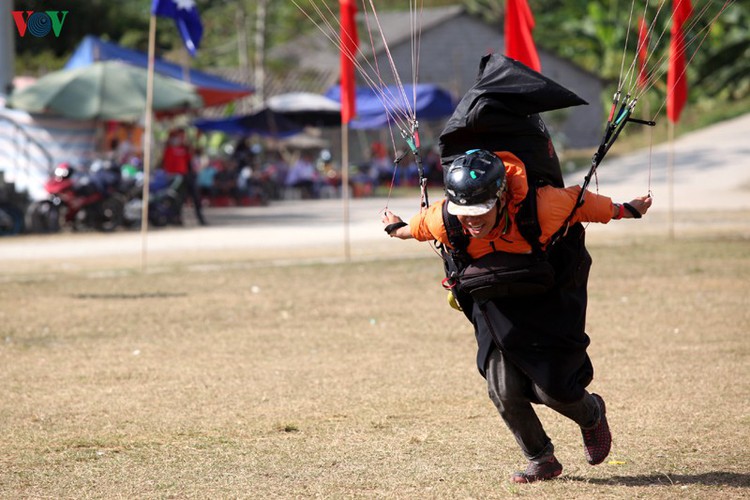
pixel 12 206
pixel 165 198
pixel 11 219
pixel 80 200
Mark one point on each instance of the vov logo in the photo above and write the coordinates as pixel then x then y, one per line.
pixel 39 24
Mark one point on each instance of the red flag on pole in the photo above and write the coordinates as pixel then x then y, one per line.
pixel 643 40
pixel 349 44
pixel 519 44
pixel 677 89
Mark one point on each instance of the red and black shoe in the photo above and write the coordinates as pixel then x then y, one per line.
pixel 597 440
pixel 538 472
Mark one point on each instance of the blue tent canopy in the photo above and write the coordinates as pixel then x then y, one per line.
pixel 432 103
pixel 283 115
pixel 264 122
pixel 213 89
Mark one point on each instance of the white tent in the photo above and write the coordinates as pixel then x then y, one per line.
pixel 31 145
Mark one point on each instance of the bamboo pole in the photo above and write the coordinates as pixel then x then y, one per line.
pixel 345 186
pixel 670 181
pixel 147 134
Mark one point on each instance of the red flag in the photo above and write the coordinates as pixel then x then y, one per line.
pixel 349 44
pixel 519 44
pixel 677 89
pixel 642 53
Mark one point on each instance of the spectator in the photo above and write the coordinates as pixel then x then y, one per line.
pixel 303 176
pixel 206 180
pixel 381 169
pixel 178 160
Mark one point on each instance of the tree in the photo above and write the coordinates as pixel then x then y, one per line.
pixel 111 19
pixel 725 69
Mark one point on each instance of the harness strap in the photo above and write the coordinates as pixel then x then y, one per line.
pixel 456 257
pixel 527 219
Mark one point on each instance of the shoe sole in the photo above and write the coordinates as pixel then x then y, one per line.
pixel 521 478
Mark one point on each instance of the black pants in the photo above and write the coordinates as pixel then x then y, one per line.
pixel 191 190
pixel 512 391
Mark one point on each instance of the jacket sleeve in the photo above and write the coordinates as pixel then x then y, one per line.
pixel 427 225
pixel 595 208
pixel 558 202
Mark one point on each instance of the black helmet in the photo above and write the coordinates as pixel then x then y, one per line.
pixel 473 182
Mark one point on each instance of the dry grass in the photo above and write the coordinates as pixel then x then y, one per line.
pixel 356 380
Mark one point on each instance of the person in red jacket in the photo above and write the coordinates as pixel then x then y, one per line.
pixel 178 160
pixel 531 345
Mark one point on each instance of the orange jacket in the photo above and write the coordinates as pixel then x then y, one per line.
pixel 553 207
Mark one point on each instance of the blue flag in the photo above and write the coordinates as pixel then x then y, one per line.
pixel 185 15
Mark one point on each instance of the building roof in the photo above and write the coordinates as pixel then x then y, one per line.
pixel 315 52
pixel 397 26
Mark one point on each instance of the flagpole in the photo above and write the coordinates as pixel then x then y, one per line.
pixel 345 186
pixel 147 138
pixel 670 180
pixel 349 43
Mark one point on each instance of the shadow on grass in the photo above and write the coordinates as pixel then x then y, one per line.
pixel 154 295
pixel 707 479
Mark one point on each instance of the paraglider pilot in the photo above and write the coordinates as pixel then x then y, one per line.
pixel 525 296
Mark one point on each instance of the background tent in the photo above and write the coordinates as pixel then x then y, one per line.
pixel 31 146
pixel 432 103
pixel 264 122
pixel 213 89
pixel 307 109
pixel 108 90
pixel 283 115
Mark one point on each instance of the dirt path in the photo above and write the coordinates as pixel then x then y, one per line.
pixel 710 193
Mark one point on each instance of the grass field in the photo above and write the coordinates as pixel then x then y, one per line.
pixel 356 380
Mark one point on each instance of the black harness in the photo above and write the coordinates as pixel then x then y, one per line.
pixel 499 273
pixel 527 220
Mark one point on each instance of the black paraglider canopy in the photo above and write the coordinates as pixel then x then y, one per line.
pixel 501 113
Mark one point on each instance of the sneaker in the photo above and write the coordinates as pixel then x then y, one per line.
pixel 538 472
pixel 597 440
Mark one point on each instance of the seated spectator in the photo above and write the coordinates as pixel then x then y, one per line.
pixel 381 167
pixel 361 184
pixel 206 180
pixel 303 176
pixel 225 185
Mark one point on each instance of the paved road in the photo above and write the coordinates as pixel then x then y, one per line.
pixel 711 192
pixel 711 170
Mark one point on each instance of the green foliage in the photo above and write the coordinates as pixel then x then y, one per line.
pixel 105 18
pixel 41 63
pixel 594 34
pixel 492 11
pixel 725 72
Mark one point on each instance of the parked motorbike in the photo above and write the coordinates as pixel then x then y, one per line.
pixel 165 198
pixel 80 200
pixel 11 219
pixel 12 206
